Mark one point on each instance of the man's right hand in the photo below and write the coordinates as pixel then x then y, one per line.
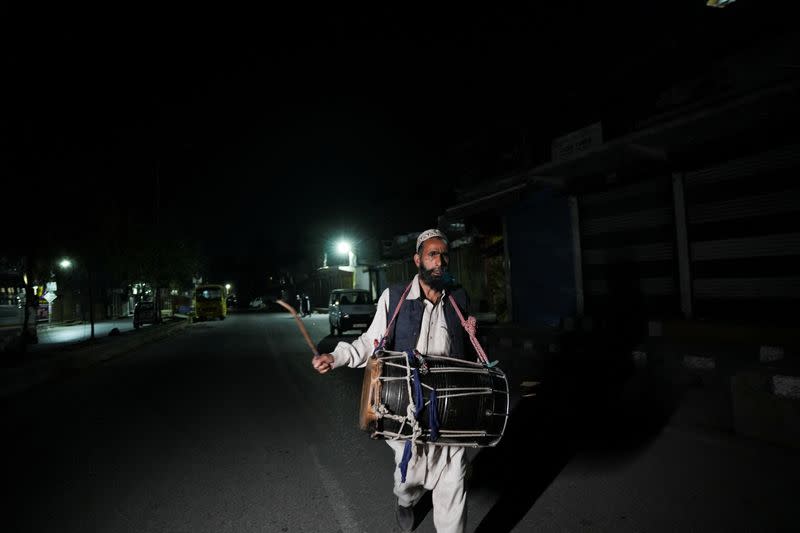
pixel 322 362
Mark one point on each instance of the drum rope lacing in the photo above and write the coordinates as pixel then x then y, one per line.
pixel 414 408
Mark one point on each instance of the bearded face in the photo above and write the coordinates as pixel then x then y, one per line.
pixel 437 278
pixel 432 264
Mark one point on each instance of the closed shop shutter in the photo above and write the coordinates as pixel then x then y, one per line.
pixel 628 251
pixel 743 222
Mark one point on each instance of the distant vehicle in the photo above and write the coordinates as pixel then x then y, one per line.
pixel 144 313
pixel 350 309
pixel 210 302
pixel 257 303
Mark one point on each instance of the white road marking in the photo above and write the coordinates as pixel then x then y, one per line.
pixel 336 496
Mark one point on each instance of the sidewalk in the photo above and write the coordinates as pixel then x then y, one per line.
pixel 65 349
pixel 707 387
pixel 67 333
pixel 625 449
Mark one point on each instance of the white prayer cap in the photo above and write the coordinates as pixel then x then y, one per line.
pixel 429 234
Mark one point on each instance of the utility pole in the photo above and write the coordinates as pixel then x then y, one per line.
pixel 91 300
pixel 158 189
pixel 157 248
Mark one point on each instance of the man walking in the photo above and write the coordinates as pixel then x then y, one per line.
pixel 426 321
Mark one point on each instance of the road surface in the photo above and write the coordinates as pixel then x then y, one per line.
pixel 224 427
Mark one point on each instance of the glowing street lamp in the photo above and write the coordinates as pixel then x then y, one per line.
pixel 65 264
pixel 343 247
pixel 227 286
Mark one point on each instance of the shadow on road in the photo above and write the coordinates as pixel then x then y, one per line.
pixel 591 400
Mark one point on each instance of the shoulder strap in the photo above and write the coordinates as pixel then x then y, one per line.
pixel 379 345
pixel 470 326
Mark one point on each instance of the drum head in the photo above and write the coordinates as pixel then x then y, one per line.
pixel 370 395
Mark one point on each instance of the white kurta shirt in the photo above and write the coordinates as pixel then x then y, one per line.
pixel 433 338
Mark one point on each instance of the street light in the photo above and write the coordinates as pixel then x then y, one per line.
pixel 346 249
pixel 227 286
pixel 343 247
pixel 66 264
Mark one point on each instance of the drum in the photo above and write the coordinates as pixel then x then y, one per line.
pixel 471 401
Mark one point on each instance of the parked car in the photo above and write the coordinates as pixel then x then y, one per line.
pixel 350 309
pixel 144 313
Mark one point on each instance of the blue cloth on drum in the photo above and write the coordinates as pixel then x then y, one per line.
pixel 419 400
pixel 405 460
pixel 433 417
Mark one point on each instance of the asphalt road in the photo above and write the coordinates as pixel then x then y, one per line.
pixel 224 427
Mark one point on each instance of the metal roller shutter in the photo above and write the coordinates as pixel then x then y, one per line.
pixel 628 250
pixel 744 236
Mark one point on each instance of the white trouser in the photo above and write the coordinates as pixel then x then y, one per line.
pixel 440 469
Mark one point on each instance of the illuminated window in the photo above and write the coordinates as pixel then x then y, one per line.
pixel 208 294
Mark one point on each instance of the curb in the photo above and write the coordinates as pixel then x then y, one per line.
pixel 16 380
pixel 748 389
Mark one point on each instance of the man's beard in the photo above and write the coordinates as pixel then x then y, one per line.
pixel 435 282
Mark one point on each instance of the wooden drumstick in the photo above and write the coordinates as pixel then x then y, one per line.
pixel 300 324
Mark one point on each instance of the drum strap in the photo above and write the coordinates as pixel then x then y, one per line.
pixel 382 343
pixel 470 326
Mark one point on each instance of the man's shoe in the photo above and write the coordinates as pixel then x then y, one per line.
pixel 405 517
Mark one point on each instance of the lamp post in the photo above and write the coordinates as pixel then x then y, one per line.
pixel 344 248
pixel 91 301
pixel 67 264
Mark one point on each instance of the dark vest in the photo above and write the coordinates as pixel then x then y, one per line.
pixel 405 331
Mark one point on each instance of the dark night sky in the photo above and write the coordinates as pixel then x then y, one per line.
pixel 303 126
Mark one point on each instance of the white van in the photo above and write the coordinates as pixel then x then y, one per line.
pixel 350 309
